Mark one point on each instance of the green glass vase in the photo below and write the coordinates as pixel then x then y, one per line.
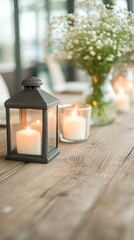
pixel 101 97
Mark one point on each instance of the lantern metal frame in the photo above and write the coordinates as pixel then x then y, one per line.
pixel 33 97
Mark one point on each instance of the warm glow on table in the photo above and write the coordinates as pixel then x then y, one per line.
pixel 28 141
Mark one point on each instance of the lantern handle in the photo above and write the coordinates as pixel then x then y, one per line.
pixel 31 82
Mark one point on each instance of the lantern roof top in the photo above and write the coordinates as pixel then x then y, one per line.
pixel 32 96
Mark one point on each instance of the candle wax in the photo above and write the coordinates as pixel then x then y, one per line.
pixel 28 141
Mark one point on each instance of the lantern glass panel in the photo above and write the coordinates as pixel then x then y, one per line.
pixel 52 134
pixel 26 131
pixel 34 119
pixel 14 127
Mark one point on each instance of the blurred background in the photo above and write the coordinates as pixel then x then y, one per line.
pixel 23 33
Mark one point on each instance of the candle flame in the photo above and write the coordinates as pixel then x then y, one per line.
pixel 38 121
pixel 94 103
pixel 121 91
pixel 76 108
pixel 74 113
pixel 130 85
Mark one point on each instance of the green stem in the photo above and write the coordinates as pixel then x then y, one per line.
pixel 104 115
pixel 99 105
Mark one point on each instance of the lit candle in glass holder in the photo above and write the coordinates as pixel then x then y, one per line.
pixel 74 126
pixel 131 91
pixel 74 123
pixel 122 101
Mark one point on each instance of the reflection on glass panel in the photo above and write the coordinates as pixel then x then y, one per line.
pixel 34 119
pixel 14 126
pixel 6 32
pixel 51 128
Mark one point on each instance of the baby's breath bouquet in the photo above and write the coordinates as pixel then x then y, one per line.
pixel 94 38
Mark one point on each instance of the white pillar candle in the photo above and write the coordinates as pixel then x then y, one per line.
pixel 122 101
pixel 28 141
pixel 36 126
pixel 74 127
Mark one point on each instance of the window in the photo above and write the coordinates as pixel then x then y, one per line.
pixel 6 36
pixel 33 24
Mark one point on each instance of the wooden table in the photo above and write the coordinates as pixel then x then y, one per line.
pixel 85 193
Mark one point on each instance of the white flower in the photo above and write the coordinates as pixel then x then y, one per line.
pixel 110 58
pixel 93 33
pixel 76 41
pixel 99 42
pixel 86 57
pixel 101 35
pixel 71 29
pixel 92 53
pixel 70 16
pixel 69 57
pixel 119 54
pixel 90 48
pixel 98 47
pixel 99 57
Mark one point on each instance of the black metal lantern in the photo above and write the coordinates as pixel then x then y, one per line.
pixel 32 124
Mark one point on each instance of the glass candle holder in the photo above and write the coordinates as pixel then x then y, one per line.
pixel 123 85
pixel 74 123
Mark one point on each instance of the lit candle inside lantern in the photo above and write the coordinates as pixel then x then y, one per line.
pixel 74 126
pixel 28 141
pixel 36 126
pixel 122 101
pixel 131 91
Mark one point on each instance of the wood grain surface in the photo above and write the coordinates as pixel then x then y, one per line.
pixel 85 193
